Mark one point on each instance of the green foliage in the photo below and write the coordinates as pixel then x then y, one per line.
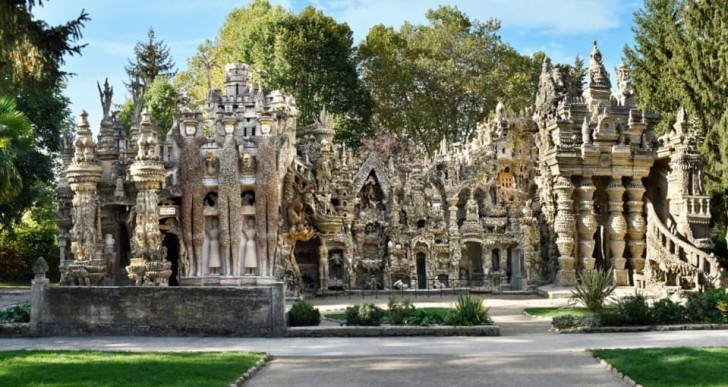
pixel 670 366
pixel 399 313
pixel 592 289
pixel 15 314
pixel 14 129
pixel 308 55
pixel 703 307
pixel 667 312
pixel 565 321
pixel 303 314
pixel 365 314
pixel 32 237
pixel 151 60
pixel 123 369
pixel 634 310
pixel 469 311
pixel 441 80
pixel 554 311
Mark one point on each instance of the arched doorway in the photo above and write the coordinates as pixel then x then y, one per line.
pixel 475 261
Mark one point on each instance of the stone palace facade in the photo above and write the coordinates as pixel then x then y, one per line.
pixel 244 196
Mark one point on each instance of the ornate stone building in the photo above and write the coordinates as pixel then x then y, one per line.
pixel 241 195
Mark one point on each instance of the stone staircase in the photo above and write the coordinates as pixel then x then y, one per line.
pixel 674 263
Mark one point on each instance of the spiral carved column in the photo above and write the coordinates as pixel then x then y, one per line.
pixel 617 231
pixel 636 226
pixel 587 223
pixel 564 226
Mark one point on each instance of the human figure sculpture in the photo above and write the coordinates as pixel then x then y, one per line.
pixel 250 261
pixel 213 233
pixel 229 203
pixel 191 172
pixel 105 95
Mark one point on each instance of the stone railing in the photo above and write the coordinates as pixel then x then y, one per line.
pixel 697 206
pixel 671 251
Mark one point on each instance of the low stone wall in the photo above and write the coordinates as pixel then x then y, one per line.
pixel 394 330
pixel 644 328
pixel 218 311
pixel 14 329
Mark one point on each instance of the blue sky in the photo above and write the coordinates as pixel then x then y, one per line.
pixel 562 29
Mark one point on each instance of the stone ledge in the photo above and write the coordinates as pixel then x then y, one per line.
pixel 14 330
pixel 619 375
pixel 390 330
pixel 644 328
pixel 240 382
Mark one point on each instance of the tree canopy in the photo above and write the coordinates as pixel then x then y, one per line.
pixel 308 55
pixel 442 79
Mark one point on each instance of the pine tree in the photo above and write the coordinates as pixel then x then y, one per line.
pixel 152 59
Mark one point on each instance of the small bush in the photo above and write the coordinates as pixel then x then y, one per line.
pixel 468 311
pixel 667 311
pixel 703 307
pixel 593 289
pixel 16 313
pixel 424 318
pixel 399 314
pixel 590 320
pixel 634 310
pixel 303 314
pixel 564 321
pixel 366 314
pixel 610 317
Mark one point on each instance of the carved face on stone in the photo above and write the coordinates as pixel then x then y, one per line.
pixel 190 130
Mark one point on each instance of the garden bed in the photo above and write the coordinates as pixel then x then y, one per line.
pixel 393 330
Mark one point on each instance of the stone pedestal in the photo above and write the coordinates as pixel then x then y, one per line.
pixel 617 230
pixel 565 227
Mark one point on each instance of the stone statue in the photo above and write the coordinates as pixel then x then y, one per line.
pixel 250 261
pixel 105 96
pixel 213 234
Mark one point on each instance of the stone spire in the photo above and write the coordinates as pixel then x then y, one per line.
pixel 598 86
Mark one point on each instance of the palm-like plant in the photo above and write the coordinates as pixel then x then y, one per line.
pixel 593 289
pixel 14 126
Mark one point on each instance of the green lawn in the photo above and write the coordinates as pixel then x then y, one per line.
pixel 670 366
pixel 92 368
pixel 555 311
pixel 438 311
pixel 20 284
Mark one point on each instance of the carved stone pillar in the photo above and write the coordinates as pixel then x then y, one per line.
pixel 617 230
pixel 564 226
pixel 636 225
pixel 323 267
pixel 83 175
pixel 148 265
pixel 587 223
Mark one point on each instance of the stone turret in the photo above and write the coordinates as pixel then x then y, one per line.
pixel 598 87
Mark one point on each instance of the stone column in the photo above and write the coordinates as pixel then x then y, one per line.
pixel 636 225
pixel 39 287
pixel 587 223
pixel 148 265
pixel 617 230
pixel 564 226
pixel 323 267
pixel 83 175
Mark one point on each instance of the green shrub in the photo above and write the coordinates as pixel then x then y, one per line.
pixel 399 314
pixel 468 311
pixel 590 320
pixel 15 313
pixel 592 289
pixel 366 314
pixel 634 310
pixel 667 311
pixel 303 314
pixel 564 321
pixel 610 317
pixel 422 317
pixel 703 307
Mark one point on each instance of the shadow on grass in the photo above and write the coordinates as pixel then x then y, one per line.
pixel 95 368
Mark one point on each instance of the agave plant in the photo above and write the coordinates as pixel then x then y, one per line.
pixel 469 310
pixel 593 288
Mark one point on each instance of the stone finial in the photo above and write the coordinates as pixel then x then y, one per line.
pixel 40 268
pixel 83 125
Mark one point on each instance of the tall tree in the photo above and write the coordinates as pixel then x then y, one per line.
pixel 680 58
pixel 308 55
pixel 14 129
pixel 440 80
pixel 31 59
pixel 151 59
